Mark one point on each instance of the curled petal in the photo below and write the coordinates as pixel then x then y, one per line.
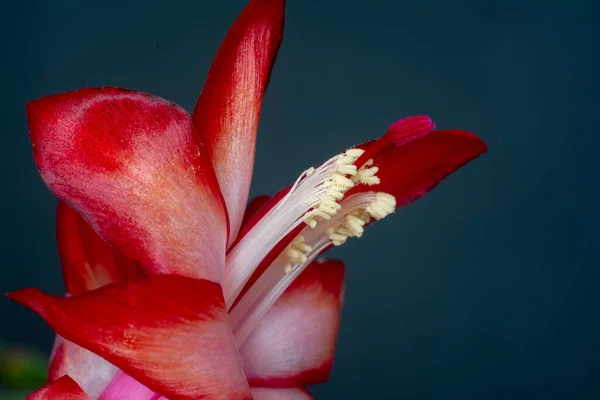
pixel 294 343
pixel 410 171
pixel 64 388
pixel 129 164
pixel 229 106
pixel 169 332
pixel 281 394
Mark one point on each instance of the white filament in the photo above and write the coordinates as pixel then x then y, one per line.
pixel 246 315
pixel 313 197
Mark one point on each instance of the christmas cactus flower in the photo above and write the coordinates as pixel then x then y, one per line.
pixel 176 289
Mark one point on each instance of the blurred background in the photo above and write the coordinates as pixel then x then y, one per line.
pixel 487 288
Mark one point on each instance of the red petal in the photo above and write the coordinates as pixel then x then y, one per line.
pixel 90 371
pixel 168 332
pixel 280 394
pixel 229 107
pixel 88 262
pixel 127 162
pixel 295 343
pixel 63 388
pixel 410 171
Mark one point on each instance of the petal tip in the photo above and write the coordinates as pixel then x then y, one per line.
pixel 62 388
pixel 29 298
pixel 480 146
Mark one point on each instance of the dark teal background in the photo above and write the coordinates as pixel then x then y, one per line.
pixel 485 289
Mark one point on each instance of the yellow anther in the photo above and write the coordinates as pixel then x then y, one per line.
pixel 355 153
pixel 386 199
pixel 326 209
pixel 338 239
pixel 342 230
pixel 296 253
pixel 334 194
pixel 323 214
pixel 342 181
pixel 337 177
pixel 366 174
pixel 347 169
pixel 383 205
pixel 328 202
pixel 376 211
pixel 311 222
pixel 354 223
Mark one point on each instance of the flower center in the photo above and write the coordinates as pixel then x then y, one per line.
pixel 314 197
pixel 356 211
pixel 317 201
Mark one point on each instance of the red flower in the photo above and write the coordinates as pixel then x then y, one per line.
pixel 219 303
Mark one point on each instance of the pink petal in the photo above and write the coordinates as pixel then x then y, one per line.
pixel 169 332
pixel 90 371
pixel 228 109
pixel 63 388
pixel 128 163
pixel 294 343
pixel 280 394
pixel 123 383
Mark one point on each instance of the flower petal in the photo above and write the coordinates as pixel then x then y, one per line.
pixel 169 332
pixel 280 394
pixel 88 262
pixel 131 165
pixel 124 384
pixel 90 371
pixel 294 343
pixel 64 388
pixel 228 109
pixel 410 171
